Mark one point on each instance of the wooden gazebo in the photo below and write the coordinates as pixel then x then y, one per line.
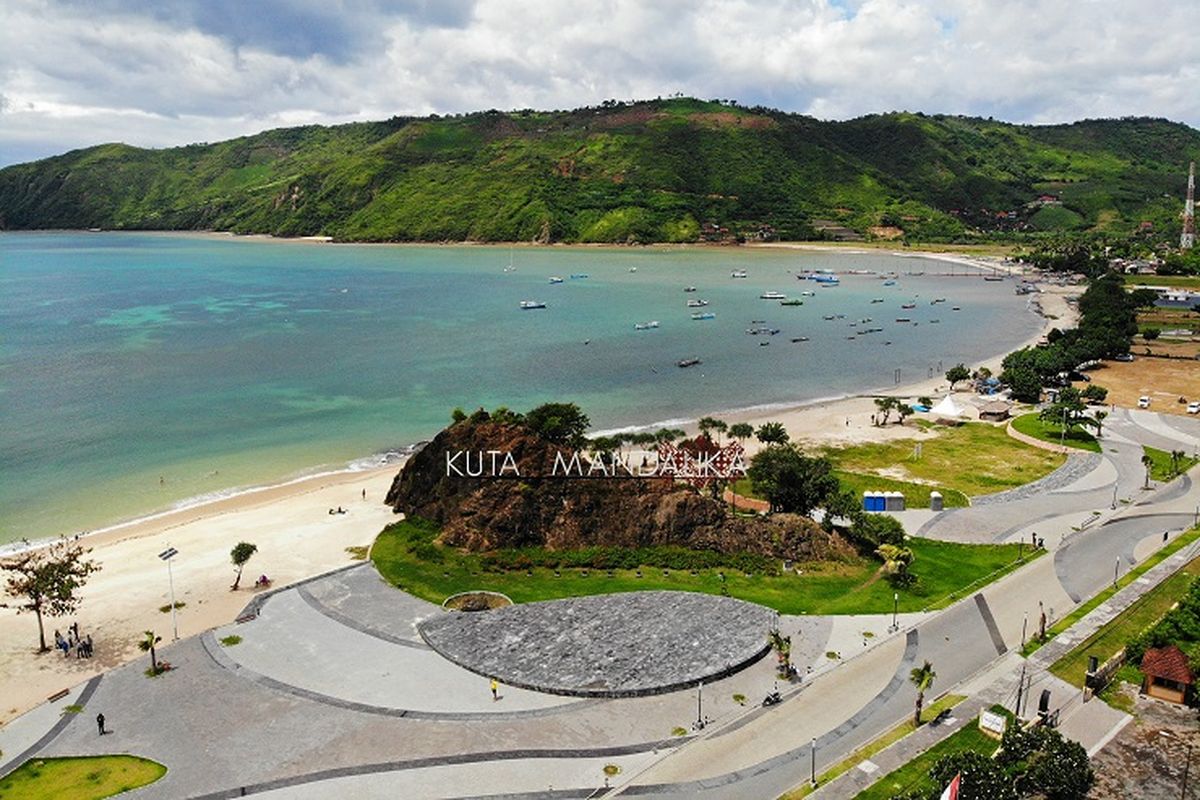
pixel 1166 674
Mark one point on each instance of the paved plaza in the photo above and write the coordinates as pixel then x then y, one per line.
pixel 613 645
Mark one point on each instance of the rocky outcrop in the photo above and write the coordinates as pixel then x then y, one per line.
pixel 521 502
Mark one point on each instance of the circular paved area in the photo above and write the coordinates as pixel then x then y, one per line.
pixel 615 645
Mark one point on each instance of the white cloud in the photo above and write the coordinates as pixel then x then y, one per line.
pixel 74 74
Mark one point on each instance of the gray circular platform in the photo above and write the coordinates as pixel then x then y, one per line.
pixel 613 645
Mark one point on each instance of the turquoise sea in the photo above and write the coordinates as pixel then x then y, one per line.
pixel 214 363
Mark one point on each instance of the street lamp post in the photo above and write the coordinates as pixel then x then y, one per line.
pixel 1116 570
pixel 895 611
pixel 813 777
pixel 167 555
pixel 1024 622
pixel 1186 764
pixel 700 706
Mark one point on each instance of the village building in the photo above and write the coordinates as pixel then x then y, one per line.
pixel 1166 674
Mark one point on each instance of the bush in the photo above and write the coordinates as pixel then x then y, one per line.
pixel 660 557
pixel 873 530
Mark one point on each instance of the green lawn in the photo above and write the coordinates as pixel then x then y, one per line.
pixel 1147 610
pixel 78 778
pixel 1181 541
pixel 914 776
pixel 973 459
pixel 1161 468
pixel 1030 425
pixel 916 495
pixel 1187 281
pixel 405 556
pixel 874 746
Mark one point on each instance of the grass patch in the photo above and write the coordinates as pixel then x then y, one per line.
pixel 914 776
pixel 1145 611
pixel 231 640
pixel 1161 468
pixel 1043 430
pixel 167 608
pixel 74 708
pixel 358 552
pixel 1186 281
pixel 678 731
pixel 407 556
pixel 1113 693
pixel 876 745
pixel 1181 541
pixel 916 495
pixel 970 459
pixel 79 778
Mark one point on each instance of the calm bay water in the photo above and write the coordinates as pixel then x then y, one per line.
pixel 139 370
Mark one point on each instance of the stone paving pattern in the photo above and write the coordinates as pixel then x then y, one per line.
pixel 615 645
pixel 1075 468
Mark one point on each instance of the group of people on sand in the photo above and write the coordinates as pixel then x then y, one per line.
pixel 82 646
pixel 338 510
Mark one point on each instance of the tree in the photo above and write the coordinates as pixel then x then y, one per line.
pixel 1094 394
pixel 958 372
pixel 873 530
pixel 922 678
pixel 843 504
pixel 1100 416
pixel 1177 457
pixel 1045 764
pixel 982 777
pixel 720 426
pixel 146 645
pixel 46 581
pixel 741 431
pixel 708 424
pixel 562 423
pixel 239 555
pixel 1148 463
pixel 790 481
pixel 1068 410
pixel 904 411
pixel 1150 334
pixel 896 563
pixel 772 433
pixel 457 416
pixel 885 406
pixel 668 435
pixel 1024 382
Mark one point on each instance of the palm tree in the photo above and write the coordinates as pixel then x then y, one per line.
pixel 1100 416
pixel 896 559
pixel 741 431
pixel 146 645
pixel 770 433
pixel 1176 457
pixel 885 406
pixel 922 678
pixel 720 426
pixel 1147 462
pixel 239 555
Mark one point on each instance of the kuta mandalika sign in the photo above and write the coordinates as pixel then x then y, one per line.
pixel 697 462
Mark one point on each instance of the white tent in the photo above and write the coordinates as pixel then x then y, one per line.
pixel 946 408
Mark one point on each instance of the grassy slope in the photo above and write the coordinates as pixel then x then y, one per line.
pixel 972 459
pixel 652 171
pixel 1030 425
pixel 1160 467
pixel 79 778
pixel 946 570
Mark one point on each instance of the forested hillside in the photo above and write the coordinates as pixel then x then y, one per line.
pixel 664 170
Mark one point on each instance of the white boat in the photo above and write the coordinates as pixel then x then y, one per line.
pixel 697 303
pixel 689 288
pixel 772 296
pixel 738 273
pixel 645 326
pixel 527 305
pixel 807 293
pixel 633 269
pixel 555 279
pixel 510 267
pixel 823 278
pixel 704 315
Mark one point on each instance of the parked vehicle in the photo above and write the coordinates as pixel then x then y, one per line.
pixel 1143 402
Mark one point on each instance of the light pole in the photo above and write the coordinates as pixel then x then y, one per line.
pixel 1116 569
pixel 895 611
pixel 167 555
pixel 1024 622
pixel 813 778
pixel 700 706
pixel 1186 764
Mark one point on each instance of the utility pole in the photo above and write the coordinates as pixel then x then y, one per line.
pixel 167 555
pixel 813 777
pixel 1187 239
pixel 1020 691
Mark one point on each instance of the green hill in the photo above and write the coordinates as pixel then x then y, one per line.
pixel 663 170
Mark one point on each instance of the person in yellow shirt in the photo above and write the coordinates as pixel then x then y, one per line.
pixel 495 690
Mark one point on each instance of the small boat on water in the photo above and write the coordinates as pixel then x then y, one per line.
pixel 688 362
pixel 840 316
pixel 865 320
pixel 823 278
pixel 772 296
pixel 762 331
pixel 937 300
pixel 794 302
pixel 796 339
pixel 956 308
pixel 903 319
pixel 807 293
pixel 889 283
pixel 934 321
pixel 704 315
pixel 763 344
pixel 828 316
pixel 877 300
pixel 555 279
pixel 645 326
pixel 908 305
pixel 689 288
pixel 697 303
pixel 578 276
pixel 849 337
pixel 738 273
pixel 633 269
pixel 527 305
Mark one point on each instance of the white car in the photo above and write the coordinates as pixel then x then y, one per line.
pixel 1143 402
pixel 1194 407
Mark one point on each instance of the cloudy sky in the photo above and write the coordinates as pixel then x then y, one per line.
pixel 166 72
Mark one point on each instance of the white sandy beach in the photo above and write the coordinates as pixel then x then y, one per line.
pixel 297 538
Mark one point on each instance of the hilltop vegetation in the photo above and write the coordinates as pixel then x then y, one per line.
pixel 663 170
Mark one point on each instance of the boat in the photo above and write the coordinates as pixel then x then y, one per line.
pixel 688 362
pixel 738 273
pixel 889 283
pixel 877 300
pixel 937 300
pixel 865 320
pixel 704 315
pixel 956 308
pixel 840 316
pixel 510 267
pixel 645 326
pixel 527 305
pixel 689 288
pixel 763 344
pixel 793 302
pixel 908 305
pixel 903 319
pixel 827 316
pixel 849 337
pixel 578 276
pixel 697 303
pixel 796 339
pixel 807 293
pixel 824 279
pixel 762 331
pixel 934 321
pixel 555 279
pixel 633 269
pixel 772 296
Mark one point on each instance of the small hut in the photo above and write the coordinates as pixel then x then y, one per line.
pixel 1166 674
pixel 995 411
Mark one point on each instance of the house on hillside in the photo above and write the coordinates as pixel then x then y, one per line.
pixel 1166 674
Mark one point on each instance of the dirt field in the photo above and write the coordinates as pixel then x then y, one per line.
pixel 1163 380
pixel 1141 762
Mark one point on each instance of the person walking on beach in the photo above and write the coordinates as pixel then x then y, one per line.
pixel 364 494
pixel 100 723
pixel 87 652
pixel 495 690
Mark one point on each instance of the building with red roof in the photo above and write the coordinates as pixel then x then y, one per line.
pixel 1166 674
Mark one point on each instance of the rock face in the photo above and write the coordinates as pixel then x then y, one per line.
pixel 501 509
